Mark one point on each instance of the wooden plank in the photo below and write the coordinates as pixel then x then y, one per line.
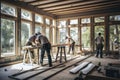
pixel 87 69
pixel 79 67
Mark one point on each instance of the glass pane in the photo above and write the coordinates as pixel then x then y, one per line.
pixel 115 18
pixel 63 33
pixel 47 32
pixel 75 21
pixel 99 29
pixel 6 9
pixel 99 19
pixel 38 28
pixel 85 20
pixel 85 37
pixel 7 37
pixel 26 14
pixel 62 23
pixel 114 33
pixel 25 33
pixel 53 22
pixel 38 18
pixel 74 34
pixel 47 21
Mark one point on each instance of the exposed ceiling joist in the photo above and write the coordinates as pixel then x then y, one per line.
pixel 84 7
pixel 71 7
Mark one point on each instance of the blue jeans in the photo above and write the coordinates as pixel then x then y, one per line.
pixel 99 48
pixel 46 47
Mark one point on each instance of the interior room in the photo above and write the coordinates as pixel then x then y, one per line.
pixel 60 40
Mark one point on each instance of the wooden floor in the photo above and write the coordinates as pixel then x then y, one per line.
pixel 57 72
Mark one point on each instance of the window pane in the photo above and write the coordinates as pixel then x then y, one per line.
pixel 85 20
pixel 53 22
pixel 85 37
pixel 99 29
pixel 7 37
pixel 99 19
pixel 114 33
pixel 75 21
pixel 62 35
pixel 6 9
pixel 26 15
pixel 47 32
pixel 62 23
pixel 38 18
pixel 47 21
pixel 38 28
pixel 25 33
pixel 115 18
pixel 74 34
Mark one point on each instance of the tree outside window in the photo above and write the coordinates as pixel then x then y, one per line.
pixel 7 37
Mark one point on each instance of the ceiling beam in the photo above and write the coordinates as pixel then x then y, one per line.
pixel 111 10
pixel 72 5
pixel 27 0
pixel 40 2
pixel 29 7
pixel 65 2
pixel 84 7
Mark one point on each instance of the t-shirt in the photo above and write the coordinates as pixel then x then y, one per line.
pixel 42 39
pixel 32 38
pixel 99 40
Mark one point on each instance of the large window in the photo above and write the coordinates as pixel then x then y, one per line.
pixel 62 23
pixel 47 21
pixel 26 14
pixel 47 32
pixel 85 37
pixel 114 34
pixel 74 21
pixel 62 33
pixel 38 28
pixel 74 34
pixel 7 37
pixel 7 9
pixel 85 20
pixel 115 18
pixel 99 19
pixel 53 22
pixel 25 32
pixel 99 29
pixel 38 18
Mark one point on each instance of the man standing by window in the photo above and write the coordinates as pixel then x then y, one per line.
pixel 99 45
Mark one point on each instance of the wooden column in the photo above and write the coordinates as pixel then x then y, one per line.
pixel 92 34
pixel 107 35
pixel 68 26
pixel 80 35
pixel 79 32
pixel 51 32
pixel 18 32
pixel 33 23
